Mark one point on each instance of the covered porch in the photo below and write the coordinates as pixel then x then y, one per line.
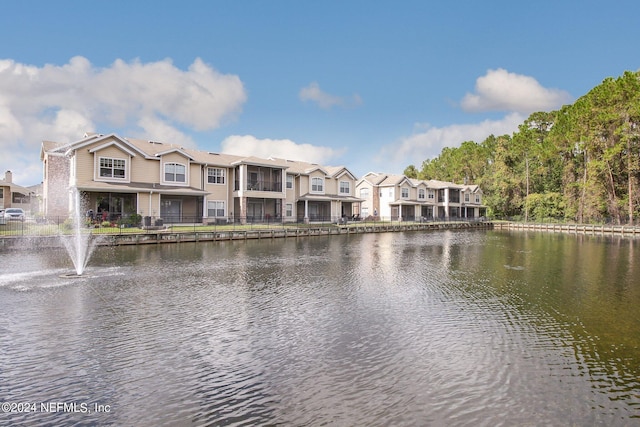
pixel 257 209
pixel 180 209
pixel 110 206
pixel 326 208
pixel 114 202
pixel 404 211
pixel 426 212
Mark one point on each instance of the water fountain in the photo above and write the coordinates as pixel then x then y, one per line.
pixel 81 242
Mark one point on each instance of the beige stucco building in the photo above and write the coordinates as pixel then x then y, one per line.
pixel 16 196
pixel 398 198
pixel 119 177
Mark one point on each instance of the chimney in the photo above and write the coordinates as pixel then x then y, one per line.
pixel 8 177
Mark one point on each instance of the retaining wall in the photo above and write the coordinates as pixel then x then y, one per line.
pixel 571 228
pixel 167 236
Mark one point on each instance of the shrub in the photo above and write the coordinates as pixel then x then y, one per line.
pixel 134 219
pixel 67 224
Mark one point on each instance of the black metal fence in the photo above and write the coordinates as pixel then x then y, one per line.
pixel 57 225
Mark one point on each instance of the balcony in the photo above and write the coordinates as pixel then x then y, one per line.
pixel 454 196
pixel 260 185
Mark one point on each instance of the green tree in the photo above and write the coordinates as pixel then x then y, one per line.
pixel 544 206
pixel 582 161
pixel 502 185
pixel 411 172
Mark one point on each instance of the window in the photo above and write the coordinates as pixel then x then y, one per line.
pixel 421 194
pixel 477 198
pixel 466 197
pixel 288 210
pixel 289 181
pixel 20 198
pixel 215 209
pixel 431 194
pixel 215 176
pixel 345 188
pixel 405 193
pixel 112 168
pixel 175 172
pixel 317 185
pixel 364 193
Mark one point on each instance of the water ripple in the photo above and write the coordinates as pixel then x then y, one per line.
pixel 390 329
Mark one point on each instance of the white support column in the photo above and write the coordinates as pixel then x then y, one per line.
pixel 242 185
pixel 306 212
pixel 283 183
pixel 446 204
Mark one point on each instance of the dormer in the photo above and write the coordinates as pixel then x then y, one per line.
pixel 112 161
pixel 174 167
pixel 405 186
pixel 472 194
pixel 317 177
pixel 421 191
pixel 345 181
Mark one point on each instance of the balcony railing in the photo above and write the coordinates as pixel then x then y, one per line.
pixel 263 185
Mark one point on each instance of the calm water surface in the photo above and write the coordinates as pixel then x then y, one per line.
pixel 424 328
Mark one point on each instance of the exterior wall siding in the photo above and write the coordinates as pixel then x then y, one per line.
pixel 305 185
pixel 144 170
pixel 196 175
pixel 330 186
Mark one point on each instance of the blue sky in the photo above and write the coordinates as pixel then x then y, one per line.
pixel 371 85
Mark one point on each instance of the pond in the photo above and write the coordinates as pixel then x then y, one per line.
pixel 415 328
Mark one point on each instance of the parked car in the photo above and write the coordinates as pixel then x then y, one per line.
pixel 14 214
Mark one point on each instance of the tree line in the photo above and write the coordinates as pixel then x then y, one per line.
pixel 579 163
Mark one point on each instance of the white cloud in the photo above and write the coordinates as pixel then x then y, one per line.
pixel 150 100
pixel 326 101
pixel 429 142
pixel 154 126
pixel 248 145
pixel 500 90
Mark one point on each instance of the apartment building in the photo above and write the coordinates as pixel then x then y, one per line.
pixel 120 176
pixel 398 198
pixel 13 195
